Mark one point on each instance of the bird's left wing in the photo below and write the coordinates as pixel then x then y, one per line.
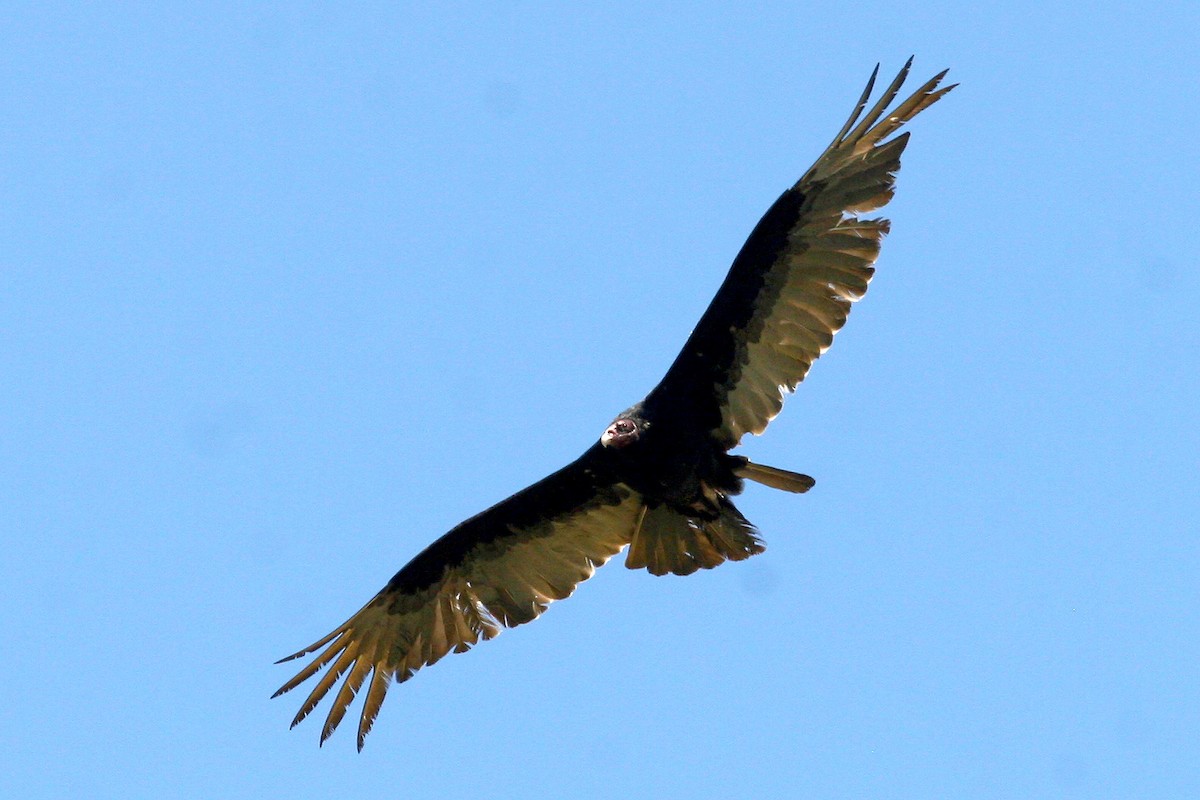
pixel 498 569
pixel 790 288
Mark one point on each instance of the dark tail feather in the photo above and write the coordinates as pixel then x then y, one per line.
pixel 775 478
pixel 668 540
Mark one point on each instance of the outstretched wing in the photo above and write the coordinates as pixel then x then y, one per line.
pixel 498 569
pixel 790 288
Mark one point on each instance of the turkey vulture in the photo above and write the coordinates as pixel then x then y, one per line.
pixel 660 477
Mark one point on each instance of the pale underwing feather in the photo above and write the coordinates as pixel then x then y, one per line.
pixel 827 263
pixel 502 584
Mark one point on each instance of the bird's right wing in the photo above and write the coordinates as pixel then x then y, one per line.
pixel 498 569
pixel 790 288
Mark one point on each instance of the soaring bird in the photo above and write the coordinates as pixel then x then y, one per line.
pixel 660 478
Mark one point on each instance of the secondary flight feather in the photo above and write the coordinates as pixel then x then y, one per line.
pixel 660 478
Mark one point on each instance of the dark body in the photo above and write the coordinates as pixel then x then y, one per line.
pixel 660 479
pixel 676 456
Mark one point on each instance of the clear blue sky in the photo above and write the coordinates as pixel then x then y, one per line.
pixel 285 294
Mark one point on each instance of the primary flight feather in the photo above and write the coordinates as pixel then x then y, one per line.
pixel 660 477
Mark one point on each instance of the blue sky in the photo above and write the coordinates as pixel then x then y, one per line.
pixel 285 294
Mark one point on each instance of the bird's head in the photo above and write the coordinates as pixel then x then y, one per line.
pixel 623 432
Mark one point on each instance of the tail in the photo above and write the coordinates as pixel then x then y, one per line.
pixel 775 478
pixel 668 540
